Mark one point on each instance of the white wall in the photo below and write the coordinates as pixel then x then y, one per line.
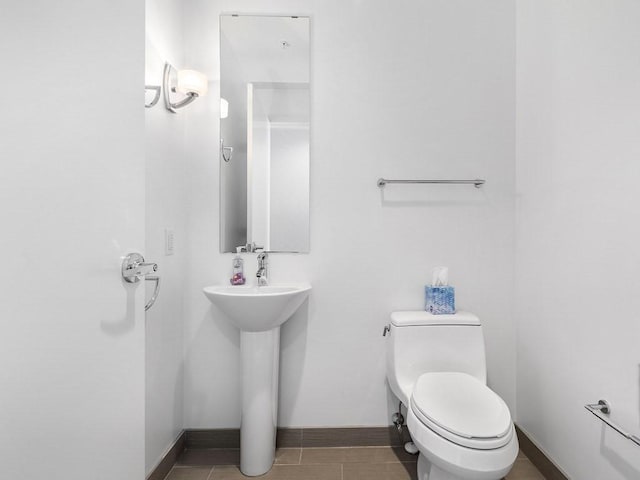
pixel 166 182
pixel 259 181
pixel 399 89
pixel 578 136
pixel 71 205
pixel 233 196
pixel 289 215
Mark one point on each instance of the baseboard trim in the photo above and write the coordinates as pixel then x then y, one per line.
pixel 169 459
pixel 300 437
pixel 546 467
pixel 325 437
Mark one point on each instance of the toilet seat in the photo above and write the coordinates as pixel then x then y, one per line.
pixel 462 409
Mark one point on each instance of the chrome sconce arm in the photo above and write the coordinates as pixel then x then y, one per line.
pixel 156 95
pixel 191 83
pixel 191 96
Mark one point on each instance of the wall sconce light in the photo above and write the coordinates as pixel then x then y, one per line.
pixel 224 108
pixel 156 95
pixel 225 152
pixel 191 83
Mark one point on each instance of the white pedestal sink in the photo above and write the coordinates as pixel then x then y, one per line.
pixel 258 312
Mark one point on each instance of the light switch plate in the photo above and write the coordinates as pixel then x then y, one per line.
pixel 169 236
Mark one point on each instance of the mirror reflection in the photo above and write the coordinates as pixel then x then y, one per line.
pixel 264 133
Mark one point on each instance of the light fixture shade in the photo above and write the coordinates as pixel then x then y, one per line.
pixel 224 108
pixel 192 81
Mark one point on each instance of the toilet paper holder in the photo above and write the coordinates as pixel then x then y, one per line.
pixel 134 269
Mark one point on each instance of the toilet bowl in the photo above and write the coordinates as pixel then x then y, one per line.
pixel 461 428
pixel 436 367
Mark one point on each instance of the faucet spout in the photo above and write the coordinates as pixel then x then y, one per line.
pixel 261 274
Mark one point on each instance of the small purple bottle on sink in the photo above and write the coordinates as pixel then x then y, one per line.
pixel 237 275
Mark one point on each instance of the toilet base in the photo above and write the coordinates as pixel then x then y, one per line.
pixel 441 459
pixel 429 471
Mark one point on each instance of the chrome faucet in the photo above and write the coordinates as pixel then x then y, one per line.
pixel 262 269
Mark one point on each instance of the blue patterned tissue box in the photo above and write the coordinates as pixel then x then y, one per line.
pixel 440 300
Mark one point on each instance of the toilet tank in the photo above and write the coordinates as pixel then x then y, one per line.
pixel 419 342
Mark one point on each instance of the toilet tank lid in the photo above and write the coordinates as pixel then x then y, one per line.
pixel 420 317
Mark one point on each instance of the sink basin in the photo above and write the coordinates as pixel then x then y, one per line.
pixel 258 309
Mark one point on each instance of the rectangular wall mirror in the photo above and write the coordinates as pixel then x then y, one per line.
pixel 264 132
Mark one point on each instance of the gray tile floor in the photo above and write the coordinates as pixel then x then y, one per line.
pixel 353 463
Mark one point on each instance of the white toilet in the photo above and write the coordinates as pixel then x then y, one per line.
pixel 436 366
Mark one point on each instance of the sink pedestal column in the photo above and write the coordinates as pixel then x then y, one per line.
pixel 260 357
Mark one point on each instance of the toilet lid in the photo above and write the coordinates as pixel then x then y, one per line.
pixel 461 405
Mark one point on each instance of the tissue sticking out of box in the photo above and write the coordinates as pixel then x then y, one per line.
pixel 440 277
pixel 440 298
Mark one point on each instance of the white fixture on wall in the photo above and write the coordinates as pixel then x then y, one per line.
pixel 258 311
pixel 134 269
pixel 224 108
pixel 461 428
pixel 191 83
pixel 225 152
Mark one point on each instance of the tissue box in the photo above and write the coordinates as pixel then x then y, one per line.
pixel 440 300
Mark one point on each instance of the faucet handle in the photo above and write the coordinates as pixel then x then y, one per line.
pixel 250 247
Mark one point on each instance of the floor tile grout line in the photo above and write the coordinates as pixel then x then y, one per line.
pixel 210 473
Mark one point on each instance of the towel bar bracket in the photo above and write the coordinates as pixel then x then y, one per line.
pixel 602 406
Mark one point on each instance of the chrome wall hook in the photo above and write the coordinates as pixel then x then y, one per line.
pixel 225 152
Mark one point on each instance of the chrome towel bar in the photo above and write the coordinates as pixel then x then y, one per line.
pixel 477 182
pixel 603 408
